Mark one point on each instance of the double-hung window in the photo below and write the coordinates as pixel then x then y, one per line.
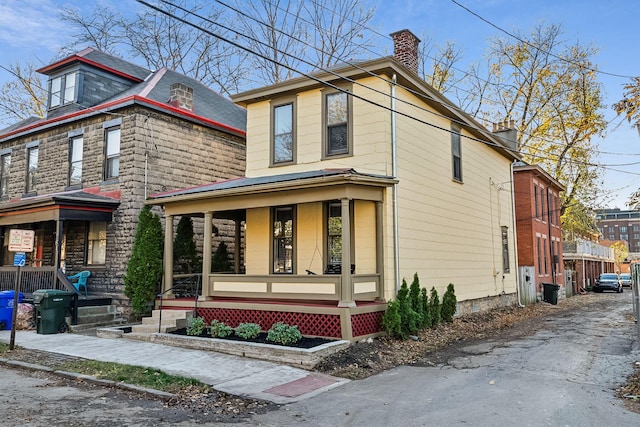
pixel 334 234
pixel 112 153
pixel 63 89
pixel 97 243
pixel 5 163
pixel 75 160
pixel 283 138
pixel 337 118
pixel 283 239
pixel 32 168
pixel 456 153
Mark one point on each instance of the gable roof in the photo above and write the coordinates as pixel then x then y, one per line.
pixel 385 66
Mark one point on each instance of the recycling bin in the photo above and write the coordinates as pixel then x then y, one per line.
pixel 51 306
pixel 6 308
pixel 550 293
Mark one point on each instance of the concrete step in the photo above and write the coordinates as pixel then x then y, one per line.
pixel 152 329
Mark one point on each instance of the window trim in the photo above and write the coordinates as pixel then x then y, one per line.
pixel 504 233
pixel 456 138
pixel 273 239
pixel 5 173
pixel 347 89
pixel 88 231
pixel 62 96
pixel 272 146
pixel 107 159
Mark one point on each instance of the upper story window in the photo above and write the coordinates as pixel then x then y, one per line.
pixel 535 200
pixel 63 89
pixel 283 138
pixel 75 160
pixel 32 168
pixel 337 118
pixel 541 199
pixel 456 153
pixel 112 153
pixel 5 163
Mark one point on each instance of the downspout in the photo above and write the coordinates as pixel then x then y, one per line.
pixel 394 172
pixel 515 235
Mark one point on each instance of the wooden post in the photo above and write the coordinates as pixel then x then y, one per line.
pixel 168 256
pixel 346 293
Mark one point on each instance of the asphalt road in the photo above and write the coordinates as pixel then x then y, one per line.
pixel 565 374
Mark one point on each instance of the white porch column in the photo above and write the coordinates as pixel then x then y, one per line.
pixel 206 253
pixel 346 294
pixel 168 256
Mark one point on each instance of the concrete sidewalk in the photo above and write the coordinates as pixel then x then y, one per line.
pixel 230 374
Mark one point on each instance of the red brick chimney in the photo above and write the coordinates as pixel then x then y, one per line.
pixel 405 49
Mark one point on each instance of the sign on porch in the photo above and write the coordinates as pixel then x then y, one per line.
pixel 21 240
pixel 19 259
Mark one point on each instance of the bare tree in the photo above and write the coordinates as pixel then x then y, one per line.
pixel 102 29
pixel 24 96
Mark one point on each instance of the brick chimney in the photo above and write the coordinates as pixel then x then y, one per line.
pixel 405 49
pixel 181 96
pixel 506 130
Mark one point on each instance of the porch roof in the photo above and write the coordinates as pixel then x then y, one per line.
pixel 297 187
pixel 71 205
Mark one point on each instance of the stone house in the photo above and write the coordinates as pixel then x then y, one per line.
pixel 356 179
pixel 114 133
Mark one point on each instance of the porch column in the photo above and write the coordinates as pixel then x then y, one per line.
pixel 168 256
pixel 379 251
pixel 58 246
pixel 236 255
pixel 206 254
pixel 346 293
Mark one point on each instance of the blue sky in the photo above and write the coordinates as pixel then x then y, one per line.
pixel 31 31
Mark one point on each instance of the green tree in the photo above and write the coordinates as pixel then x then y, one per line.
pixel 449 302
pixel 426 309
pixel 416 302
pixel 620 253
pixel 185 255
pixel 434 307
pixel 144 268
pixel 220 259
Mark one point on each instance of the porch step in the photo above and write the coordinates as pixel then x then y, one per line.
pixel 170 321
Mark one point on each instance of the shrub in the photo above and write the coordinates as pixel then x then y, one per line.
pixel 248 331
pixel 185 254
pixel 434 307
pixel 144 269
pixel 408 317
pixel 416 303
pixel 196 326
pixel 449 302
pixel 391 320
pixel 219 329
pixel 220 259
pixel 281 333
pixel 426 309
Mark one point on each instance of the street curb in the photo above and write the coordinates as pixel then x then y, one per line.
pixel 89 378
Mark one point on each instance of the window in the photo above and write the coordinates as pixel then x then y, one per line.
pixel 612 237
pixel 334 234
pixel 624 236
pixel 546 258
pixel 283 136
pixel 636 228
pixel 539 256
pixel 456 153
pixel 336 114
pixel 623 229
pixel 636 236
pixel 63 90
pixel 535 200
pixel 283 239
pixel 32 168
pixel 5 163
pixel 112 163
pixel 97 243
pixel 505 249
pixel 541 198
pixel 75 160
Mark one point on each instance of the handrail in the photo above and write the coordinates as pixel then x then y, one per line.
pixel 67 284
pixel 195 305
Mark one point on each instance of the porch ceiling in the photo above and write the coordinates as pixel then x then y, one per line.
pixel 246 193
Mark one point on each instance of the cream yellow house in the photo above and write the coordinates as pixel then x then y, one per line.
pixel 364 166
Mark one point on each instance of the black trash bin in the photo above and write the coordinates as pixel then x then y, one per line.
pixel 550 293
pixel 6 308
pixel 52 306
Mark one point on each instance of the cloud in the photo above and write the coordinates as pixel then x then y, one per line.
pixel 31 24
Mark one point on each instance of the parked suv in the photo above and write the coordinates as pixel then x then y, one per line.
pixel 626 280
pixel 608 282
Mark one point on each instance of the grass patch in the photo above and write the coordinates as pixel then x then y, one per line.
pixel 145 377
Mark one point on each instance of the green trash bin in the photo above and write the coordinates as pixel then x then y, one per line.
pixel 51 306
pixel 550 293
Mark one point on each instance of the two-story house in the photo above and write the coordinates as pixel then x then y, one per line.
pixel 537 205
pixel 357 177
pixel 114 133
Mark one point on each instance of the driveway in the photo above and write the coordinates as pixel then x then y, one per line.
pixel 565 374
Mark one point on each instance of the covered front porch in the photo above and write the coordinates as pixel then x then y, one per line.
pixel 296 232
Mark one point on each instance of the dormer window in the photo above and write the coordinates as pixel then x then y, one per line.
pixel 63 89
